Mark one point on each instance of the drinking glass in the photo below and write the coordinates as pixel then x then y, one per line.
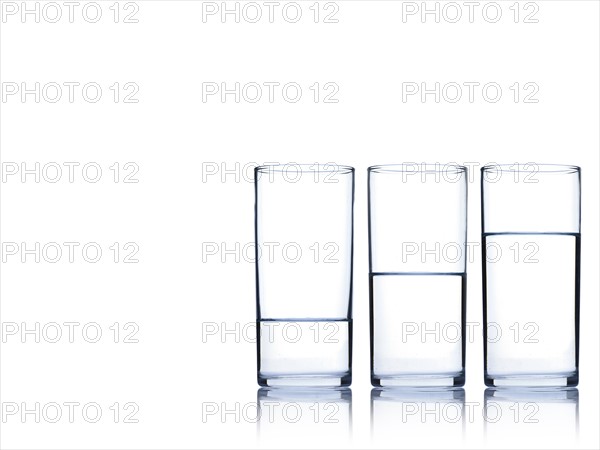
pixel 303 236
pixel 531 263
pixel 417 272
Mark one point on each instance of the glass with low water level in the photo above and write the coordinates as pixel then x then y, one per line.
pixel 531 257
pixel 417 265
pixel 304 228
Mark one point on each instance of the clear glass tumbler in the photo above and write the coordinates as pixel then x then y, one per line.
pixel 531 256
pixel 417 270
pixel 303 236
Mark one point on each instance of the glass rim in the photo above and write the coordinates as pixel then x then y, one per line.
pixel 310 167
pixel 418 168
pixel 541 168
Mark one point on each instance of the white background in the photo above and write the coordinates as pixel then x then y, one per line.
pixel 175 138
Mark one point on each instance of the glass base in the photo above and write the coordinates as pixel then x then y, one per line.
pixel 321 380
pixel 570 379
pixel 416 380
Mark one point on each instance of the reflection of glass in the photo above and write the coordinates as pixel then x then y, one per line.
pixel 432 417
pixel 531 417
pixel 315 417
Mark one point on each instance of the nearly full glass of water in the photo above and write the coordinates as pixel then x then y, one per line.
pixel 417 274
pixel 531 264
pixel 303 235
